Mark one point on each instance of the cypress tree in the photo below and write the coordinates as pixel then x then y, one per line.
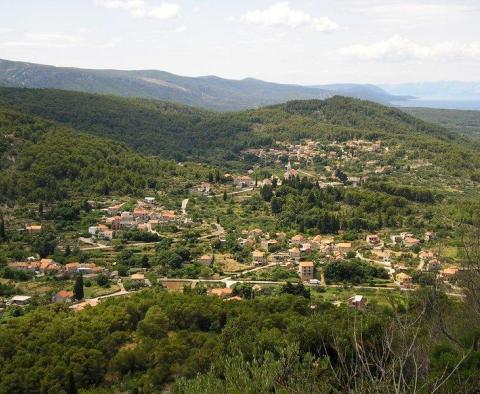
pixel 3 234
pixel 78 288
pixel 225 196
pixel 145 261
pixel 72 388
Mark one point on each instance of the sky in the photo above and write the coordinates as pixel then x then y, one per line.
pixel 303 42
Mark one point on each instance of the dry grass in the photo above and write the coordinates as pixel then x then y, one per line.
pixel 228 264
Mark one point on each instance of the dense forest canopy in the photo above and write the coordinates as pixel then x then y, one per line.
pixel 284 343
pixel 41 160
pixel 182 133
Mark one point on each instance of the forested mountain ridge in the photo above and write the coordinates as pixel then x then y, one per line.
pixel 464 122
pixel 185 133
pixel 207 92
pixel 149 126
pixel 42 160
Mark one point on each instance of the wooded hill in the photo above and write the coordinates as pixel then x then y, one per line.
pixel 185 133
pixel 42 160
pixel 464 122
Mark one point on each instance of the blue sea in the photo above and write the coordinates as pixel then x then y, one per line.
pixel 444 104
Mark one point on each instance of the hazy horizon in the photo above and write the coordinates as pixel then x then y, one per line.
pixel 295 42
pixel 382 85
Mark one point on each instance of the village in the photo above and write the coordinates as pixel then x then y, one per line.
pixel 267 259
pixel 293 257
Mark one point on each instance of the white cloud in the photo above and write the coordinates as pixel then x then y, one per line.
pixel 281 14
pixel 399 49
pixel 141 9
pixel 121 4
pixel 46 40
pixel 413 12
pixel 180 29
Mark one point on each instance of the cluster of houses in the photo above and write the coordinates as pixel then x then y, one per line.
pixel 42 266
pixel 309 149
pixel 408 240
pixel 145 217
pixel 48 266
pixel 279 249
pixel 303 153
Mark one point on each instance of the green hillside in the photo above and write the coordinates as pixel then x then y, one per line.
pixel 466 123
pixel 43 160
pixel 184 133
pixel 152 127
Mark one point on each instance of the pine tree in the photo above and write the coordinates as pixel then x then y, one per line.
pixel 78 288
pixel 68 251
pixel 225 196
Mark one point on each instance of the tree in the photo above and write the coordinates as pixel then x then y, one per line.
pixel 244 290
pixel 266 192
pixel 155 325
pixel 169 259
pixel 276 205
pixel 341 176
pixel 103 281
pixel 78 288
pixel 72 388
pixel 86 206
pixel 145 261
pixel 68 251
pixel 298 290
pixel 3 235
pixel 469 276
pixel 45 243
pixel 225 196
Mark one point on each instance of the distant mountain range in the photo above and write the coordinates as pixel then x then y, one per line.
pixel 208 92
pixel 442 90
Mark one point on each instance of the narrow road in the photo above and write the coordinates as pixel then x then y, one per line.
pixel 233 193
pixel 306 173
pixel 421 264
pixel 184 207
pixel 219 232
pixel 105 247
pixel 387 265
